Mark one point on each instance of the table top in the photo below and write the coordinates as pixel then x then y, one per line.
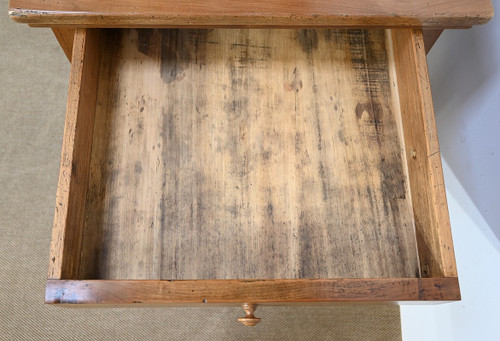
pixel 252 13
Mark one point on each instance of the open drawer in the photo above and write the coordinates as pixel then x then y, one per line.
pixel 250 166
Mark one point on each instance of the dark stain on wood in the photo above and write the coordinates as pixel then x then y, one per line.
pixel 308 40
pixel 144 40
pixel 324 181
pixel 74 168
pixel 342 137
pixel 138 168
pixel 368 56
pixel 296 84
pixel 235 107
pixel 174 54
pixel 307 255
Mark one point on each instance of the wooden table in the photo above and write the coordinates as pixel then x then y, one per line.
pixel 250 152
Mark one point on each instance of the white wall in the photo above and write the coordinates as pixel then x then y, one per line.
pixel 464 67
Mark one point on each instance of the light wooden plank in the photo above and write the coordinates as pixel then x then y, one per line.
pixel 210 13
pixel 241 154
pixel 75 157
pixel 229 292
pixel 430 208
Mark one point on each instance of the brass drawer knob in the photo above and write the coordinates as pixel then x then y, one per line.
pixel 249 320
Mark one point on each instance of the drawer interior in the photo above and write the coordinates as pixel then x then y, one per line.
pixel 245 154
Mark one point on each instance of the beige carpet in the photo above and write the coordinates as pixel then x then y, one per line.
pixel 33 80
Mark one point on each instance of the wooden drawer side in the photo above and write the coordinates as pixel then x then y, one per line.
pixel 432 222
pixel 75 156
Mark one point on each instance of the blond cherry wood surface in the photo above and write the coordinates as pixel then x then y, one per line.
pixel 232 292
pixel 247 154
pixel 75 156
pixel 178 13
pixel 430 209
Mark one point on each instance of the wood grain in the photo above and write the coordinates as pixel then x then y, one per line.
pixel 75 156
pixel 65 37
pixel 206 13
pixel 435 245
pixel 246 154
pixel 229 292
pixel 430 38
